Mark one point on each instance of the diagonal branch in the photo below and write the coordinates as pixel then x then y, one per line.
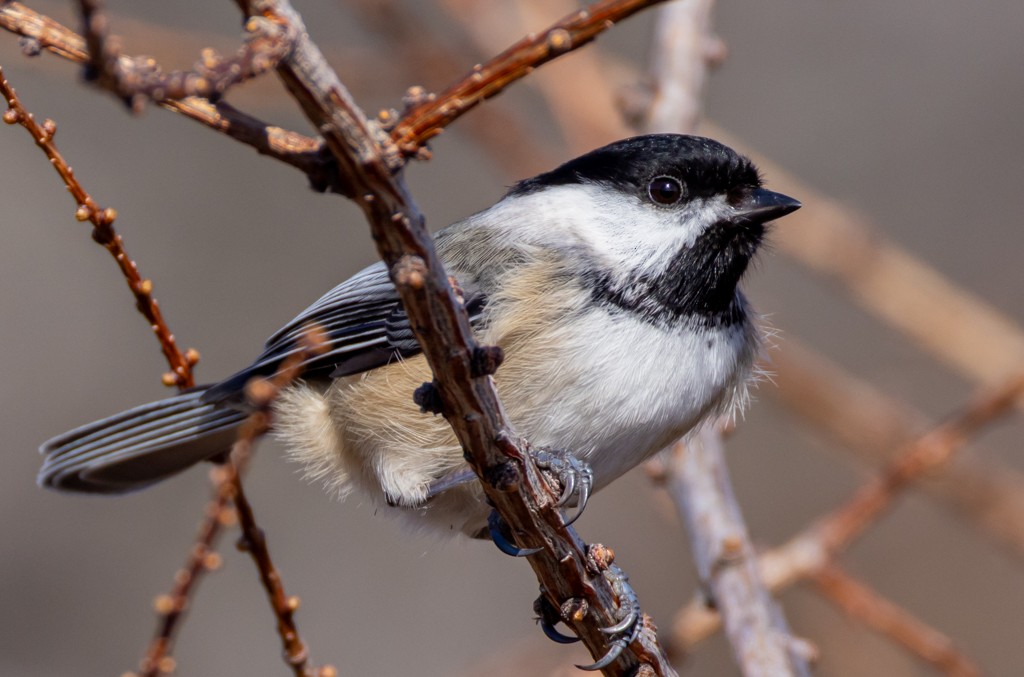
pixel 872 424
pixel 227 488
pixel 809 551
pixel 861 602
pixel 103 233
pixel 426 120
pixel 499 457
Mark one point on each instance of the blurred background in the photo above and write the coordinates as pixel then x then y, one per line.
pixel 909 114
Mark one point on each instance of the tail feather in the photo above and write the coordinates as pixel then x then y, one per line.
pixel 138 447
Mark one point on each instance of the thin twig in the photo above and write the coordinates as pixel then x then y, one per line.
pixel 415 52
pixel 496 453
pixel 171 607
pixel 305 153
pixel 812 549
pixel 140 79
pixel 861 602
pixel 227 483
pixel 427 119
pixel 102 219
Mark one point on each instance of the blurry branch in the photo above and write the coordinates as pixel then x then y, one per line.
pixel 684 50
pixel 807 553
pixel 227 487
pixel 698 480
pixel 861 602
pixel 872 424
pixel 461 367
pixel 417 53
pixel 488 22
pixel 103 233
pixel 697 476
pixel 136 80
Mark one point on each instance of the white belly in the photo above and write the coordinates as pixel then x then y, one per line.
pixel 617 401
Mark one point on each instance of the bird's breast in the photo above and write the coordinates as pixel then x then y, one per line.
pixel 599 382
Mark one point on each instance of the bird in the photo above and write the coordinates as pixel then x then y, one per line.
pixel 611 284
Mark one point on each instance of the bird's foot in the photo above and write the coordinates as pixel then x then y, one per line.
pixel 499 531
pixel 628 627
pixel 621 634
pixel 574 477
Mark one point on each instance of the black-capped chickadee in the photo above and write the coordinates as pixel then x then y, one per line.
pixel 611 285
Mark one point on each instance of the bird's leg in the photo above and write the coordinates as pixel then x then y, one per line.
pixel 574 477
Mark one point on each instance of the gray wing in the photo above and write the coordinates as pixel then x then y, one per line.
pixel 365 324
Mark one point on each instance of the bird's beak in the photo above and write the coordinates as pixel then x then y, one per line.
pixel 764 205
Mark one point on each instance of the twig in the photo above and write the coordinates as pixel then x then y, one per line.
pixel 103 233
pixel 812 549
pixel 427 119
pixel 418 125
pixel 302 152
pixel 861 602
pixel 496 453
pixel 583 127
pixel 227 481
pixel 171 607
pixel 136 80
pixel 874 425
pixel 416 53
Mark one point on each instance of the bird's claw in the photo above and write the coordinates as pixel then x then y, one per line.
pixel 628 628
pixel 575 477
pixel 548 616
pixel 494 527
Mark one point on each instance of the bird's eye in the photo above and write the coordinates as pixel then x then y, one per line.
pixel 665 190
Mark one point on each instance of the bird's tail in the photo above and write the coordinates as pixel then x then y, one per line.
pixel 138 447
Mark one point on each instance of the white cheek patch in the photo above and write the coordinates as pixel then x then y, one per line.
pixel 622 231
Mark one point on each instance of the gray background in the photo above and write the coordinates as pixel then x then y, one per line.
pixel 909 111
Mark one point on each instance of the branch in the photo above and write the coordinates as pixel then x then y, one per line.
pixel 699 483
pixel 861 602
pixel 565 567
pixel 427 119
pixel 697 475
pixel 171 607
pixel 103 233
pixel 136 80
pixel 685 49
pixel 227 487
pixel 811 550
pixel 302 152
pixel 875 425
